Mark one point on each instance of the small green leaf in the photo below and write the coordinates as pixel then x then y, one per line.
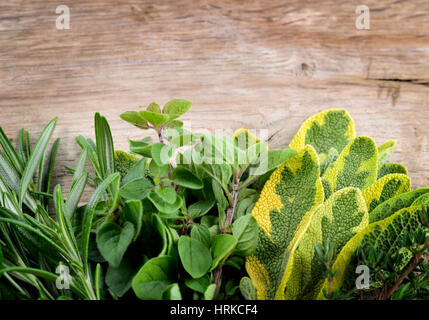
pixel 174 124
pixel 200 208
pixel 235 262
pixel 200 285
pixel 209 221
pixel 119 278
pixel 140 147
pixel 113 241
pixel 247 289
pixel 133 212
pixel 219 195
pixel 137 189
pixel 136 172
pixel 222 173
pixel 209 293
pixel 154 277
pixel 172 292
pixel 104 144
pixel 164 206
pixel 161 230
pixel 201 233
pixel 168 194
pixel 154 107
pixel 195 256
pixel 245 231
pixel 185 178
pixel 271 159
pixel 222 247
pixel 159 171
pixel 155 119
pixel 135 119
pixel 161 154
pixel 245 206
pixel 175 108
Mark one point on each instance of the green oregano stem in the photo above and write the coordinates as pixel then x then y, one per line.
pixel 216 280
pixel 231 209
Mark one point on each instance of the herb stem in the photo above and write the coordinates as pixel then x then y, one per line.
pixel 216 280
pixel 407 272
pixel 231 209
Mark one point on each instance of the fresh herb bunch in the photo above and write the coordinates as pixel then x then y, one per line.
pixel 202 188
pixel 34 246
pixel 395 274
pixel 338 198
pixel 190 215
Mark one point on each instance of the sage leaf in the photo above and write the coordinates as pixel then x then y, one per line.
pixel 247 289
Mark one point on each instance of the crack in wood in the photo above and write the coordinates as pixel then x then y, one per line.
pixel 421 82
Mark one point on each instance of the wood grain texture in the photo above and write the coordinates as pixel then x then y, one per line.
pixel 255 64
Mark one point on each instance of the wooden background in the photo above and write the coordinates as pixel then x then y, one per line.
pixel 255 64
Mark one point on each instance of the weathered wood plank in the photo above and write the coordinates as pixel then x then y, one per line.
pixel 256 64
